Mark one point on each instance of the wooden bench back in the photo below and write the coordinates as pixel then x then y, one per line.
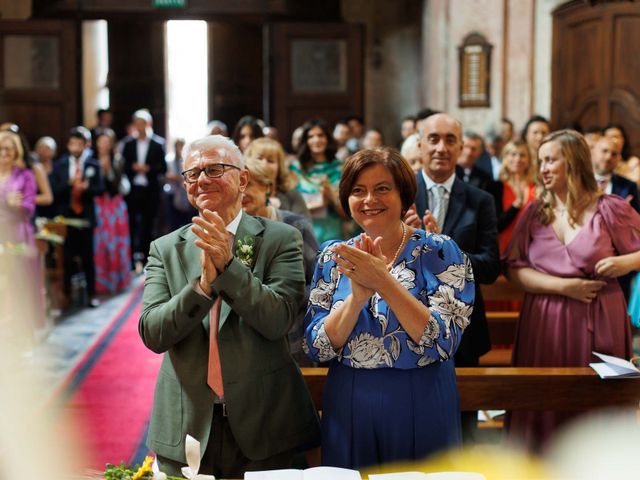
pixel 560 389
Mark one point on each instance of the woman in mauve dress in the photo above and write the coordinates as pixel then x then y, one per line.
pixel 21 280
pixel 568 249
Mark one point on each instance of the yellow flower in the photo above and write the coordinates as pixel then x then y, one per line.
pixel 145 468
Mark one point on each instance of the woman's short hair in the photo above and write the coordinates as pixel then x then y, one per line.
pixel 17 145
pixel 271 149
pixel 582 187
pixel 504 175
pixel 258 171
pixel 403 176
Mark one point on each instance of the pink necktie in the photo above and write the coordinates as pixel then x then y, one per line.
pixel 214 375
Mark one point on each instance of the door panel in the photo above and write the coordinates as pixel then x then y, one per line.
pixel 314 71
pixel 39 83
pixel 596 60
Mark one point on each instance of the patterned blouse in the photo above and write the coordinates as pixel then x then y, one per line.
pixel 434 269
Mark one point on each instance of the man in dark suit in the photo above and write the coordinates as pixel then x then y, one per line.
pixel 75 181
pixel 606 156
pixel 445 204
pixel 220 295
pixel 144 164
pixel 468 170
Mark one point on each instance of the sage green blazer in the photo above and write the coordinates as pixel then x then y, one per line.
pixel 269 407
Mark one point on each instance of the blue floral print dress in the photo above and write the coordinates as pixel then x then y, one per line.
pixel 388 398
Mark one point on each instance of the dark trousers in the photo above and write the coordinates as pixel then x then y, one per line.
pixel 468 419
pixel 223 458
pixel 79 244
pixel 142 204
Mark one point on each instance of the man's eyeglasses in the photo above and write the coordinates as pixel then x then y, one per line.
pixel 214 170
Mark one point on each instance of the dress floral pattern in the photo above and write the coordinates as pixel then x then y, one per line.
pixel 434 270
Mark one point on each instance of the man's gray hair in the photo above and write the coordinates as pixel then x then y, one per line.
pixel 410 142
pixel 472 135
pixel 217 124
pixel 142 114
pixel 49 142
pixel 223 146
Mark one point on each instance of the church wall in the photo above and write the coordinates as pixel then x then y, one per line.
pixel 520 33
pixel 393 85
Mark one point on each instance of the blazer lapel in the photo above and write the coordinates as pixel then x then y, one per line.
pixel 189 255
pixel 422 199
pixel 252 228
pixel 456 206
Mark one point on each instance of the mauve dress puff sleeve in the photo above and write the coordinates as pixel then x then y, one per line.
pixel 623 223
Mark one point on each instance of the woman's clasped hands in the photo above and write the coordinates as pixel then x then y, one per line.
pixel 364 265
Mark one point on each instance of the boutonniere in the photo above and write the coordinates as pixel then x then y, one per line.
pixel 89 172
pixel 244 250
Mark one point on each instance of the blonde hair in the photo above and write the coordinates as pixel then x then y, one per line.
pixel 582 188
pixel 271 149
pixel 17 145
pixel 258 171
pixel 529 174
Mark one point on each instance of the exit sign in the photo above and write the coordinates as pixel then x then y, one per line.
pixel 169 3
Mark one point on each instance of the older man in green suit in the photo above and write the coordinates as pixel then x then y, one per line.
pixel 244 275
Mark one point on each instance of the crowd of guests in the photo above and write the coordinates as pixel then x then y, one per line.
pixel 378 278
pixel 391 300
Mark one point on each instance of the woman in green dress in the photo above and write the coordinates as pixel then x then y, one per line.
pixel 318 175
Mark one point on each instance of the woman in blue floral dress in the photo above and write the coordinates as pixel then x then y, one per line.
pixel 387 309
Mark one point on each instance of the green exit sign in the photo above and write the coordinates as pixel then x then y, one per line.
pixel 169 3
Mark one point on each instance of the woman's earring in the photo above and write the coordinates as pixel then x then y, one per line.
pixel 267 202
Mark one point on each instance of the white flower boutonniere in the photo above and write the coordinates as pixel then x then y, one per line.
pixel 90 172
pixel 244 252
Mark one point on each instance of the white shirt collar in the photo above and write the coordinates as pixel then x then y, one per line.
pixel 447 184
pixel 603 178
pixel 232 227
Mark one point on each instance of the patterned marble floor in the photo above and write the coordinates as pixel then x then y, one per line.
pixel 72 334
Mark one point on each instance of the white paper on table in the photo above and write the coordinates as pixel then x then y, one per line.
pixel 614 367
pixel 399 476
pixel 486 415
pixel 315 473
pixel 428 476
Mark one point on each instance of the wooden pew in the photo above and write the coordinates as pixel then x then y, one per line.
pixel 502 324
pixel 54 277
pixel 501 289
pixel 560 389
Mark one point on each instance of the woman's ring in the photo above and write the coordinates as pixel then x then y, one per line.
pixel 353 269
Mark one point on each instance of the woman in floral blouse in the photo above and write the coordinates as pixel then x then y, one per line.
pixel 387 309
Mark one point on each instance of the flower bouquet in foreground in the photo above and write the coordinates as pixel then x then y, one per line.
pixel 149 469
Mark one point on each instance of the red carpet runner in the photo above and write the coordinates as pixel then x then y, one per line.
pixel 110 392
